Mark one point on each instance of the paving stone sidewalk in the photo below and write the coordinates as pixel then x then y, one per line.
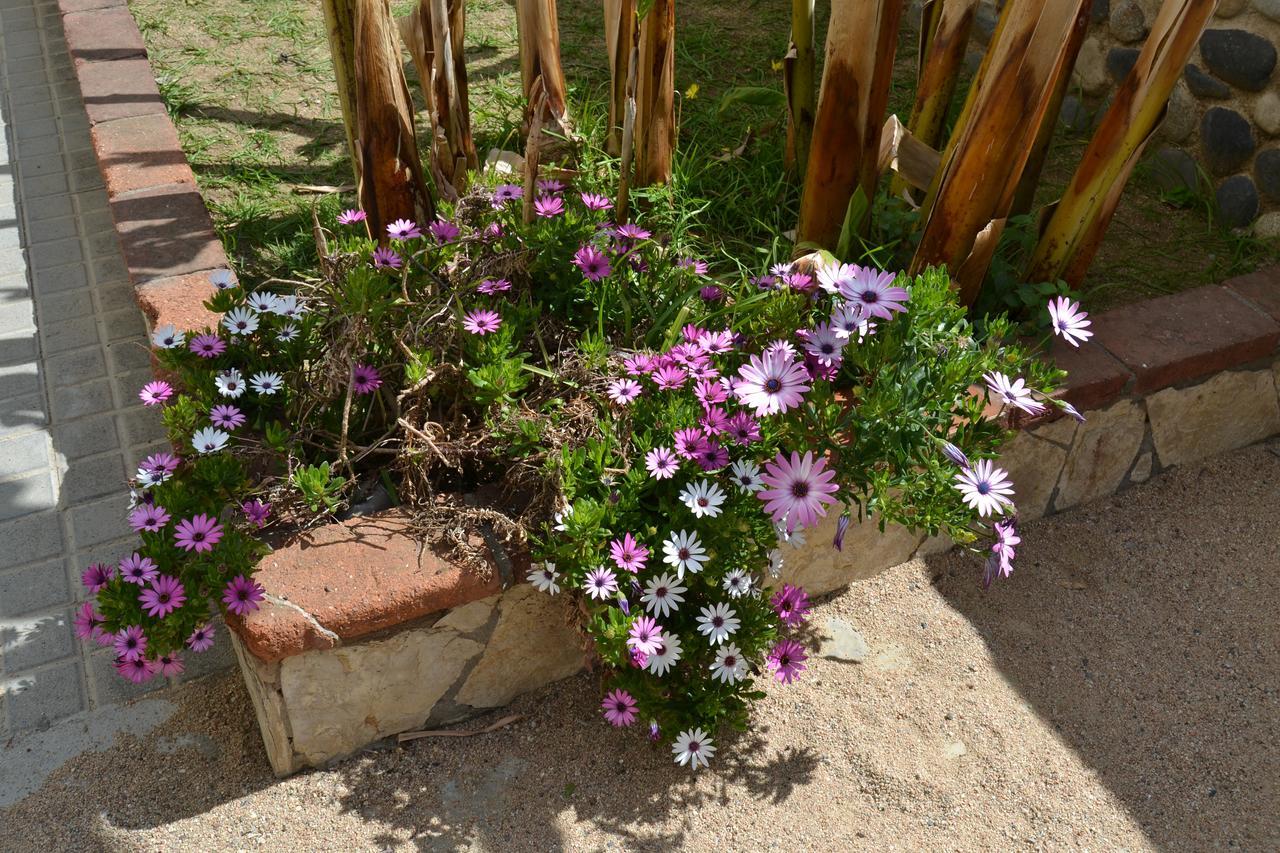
pixel 72 356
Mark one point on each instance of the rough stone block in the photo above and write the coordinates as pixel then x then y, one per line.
pixel 1034 459
pixel 820 568
pixel 1101 454
pixel 178 301
pixel 1230 410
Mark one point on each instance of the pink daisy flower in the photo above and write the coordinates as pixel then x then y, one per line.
pixel 551 185
pixel 256 511
pixel 638 363
pixel 242 595
pixel 131 643
pixel 164 596
pixel 661 462
pixel 711 456
pixel 716 343
pixel 600 583
pixel 985 487
pixel 1003 551
pixel 786 661
pixel 873 290
pixel 593 263
pixel 138 569
pixel 772 383
pixel 1012 392
pixel 507 192
pixel 791 603
pixel 631 232
pixel 714 420
pixel 689 442
pixel 97 575
pixel 623 391
pixel 149 517
pixel 743 428
pixel 155 393
pixel 137 670
pixel 493 286
pixel 669 377
pixel 385 259
pixel 710 392
pixel 351 216
pixel 645 635
pixel 226 417
pixel 1069 321
pixel 201 639
pixel 403 229
pixel 199 533
pixel 444 231
pixel 548 206
pixel 207 346
pixel 629 554
pixel 482 321
pixel 797 489
pixel 365 379
pixel 88 622
pixel 170 664
pixel 592 201
pixel 619 708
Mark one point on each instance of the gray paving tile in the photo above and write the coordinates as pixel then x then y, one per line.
pixel 141 425
pixel 75 367
pixel 29 539
pixel 55 253
pixel 49 230
pixel 85 436
pixel 22 414
pixel 32 641
pixel 31 588
pixel 92 477
pixel 99 522
pixel 19 380
pixel 62 335
pixel 60 278
pixel 68 304
pixel 39 209
pixel 27 495
pixel 77 401
pixel 38 698
pixel 17 315
pixel 24 454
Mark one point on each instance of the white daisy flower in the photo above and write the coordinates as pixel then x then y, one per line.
pixel 287 333
pixel 746 475
pixel 562 519
pixel 703 498
pixel 662 595
pixel 230 383
pixel 666 656
pixel 544 578
pixel 222 279
pixel 147 478
pixel 775 563
pixel 684 552
pixel 718 622
pixel 693 747
pixel 729 666
pixel 168 337
pixel 266 383
pixel 209 440
pixel 263 302
pixel 737 583
pixel 240 321
pixel 289 306
pixel 795 538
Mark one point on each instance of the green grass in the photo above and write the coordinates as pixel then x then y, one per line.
pixel 249 84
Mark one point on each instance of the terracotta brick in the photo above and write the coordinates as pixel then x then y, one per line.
pixel 348 580
pixel 139 153
pixel 1262 288
pixel 178 301
pixel 99 34
pixel 69 6
pixel 1185 336
pixel 165 231
pixel 119 88
pixel 1094 377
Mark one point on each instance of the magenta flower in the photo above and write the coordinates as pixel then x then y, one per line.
pixel 688 442
pixel 548 206
pixel 714 420
pixel 772 383
pixel 482 321
pixel 628 554
pixel 645 635
pixel 623 391
pixel 631 232
pixel 873 291
pixel 1069 321
pixel 162 465
pixel 638 363
pixel 155 393
pixel 138 569
pixel 1000 561
pixel 1012 392
pixel 256 511
pixel 149 517
pixel 711 293
pixel 169 664
pixel 716 343
pixel 493 286
pixel 592 201
pixel 600 583
pixel 199 533
pixel 351 216
pixel 384 258
pixel 444 231
pixel 131 643
pixel 242 595
pixel 800 282
pixel 698 267
pixel 164 596
pixel 791 603
pixel 985 487
pixel 797 489
pixel 88 622
pixel 670 377
pixel 507 192
pixel 593 263
pixel 226 417
pixel 743 428
pixel 137 670
pixel 619 708
pixel 365 379
pixel 403 229
pixel 207 346
pixel 97 576
pixel 786 661
pixel 551 185
pixel 201 639
pixel 711 456
pixel 661 462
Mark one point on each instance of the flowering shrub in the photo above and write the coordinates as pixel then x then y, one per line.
pixel 660 437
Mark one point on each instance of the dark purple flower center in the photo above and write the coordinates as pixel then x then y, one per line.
pixel 660 592
pixel 243 595
pixel 197 536
pixel 784 659
pixel 799 489
pixel 683 554
pixel 730 660
pixel 163 598
pixel 702 501
pixel 983 487
pixel 694 746
pixel 717 622
pixel 773 386
pixel 870 296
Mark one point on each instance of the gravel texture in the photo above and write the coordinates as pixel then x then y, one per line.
pixel 1119 692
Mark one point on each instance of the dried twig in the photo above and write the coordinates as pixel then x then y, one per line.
pixel 405 737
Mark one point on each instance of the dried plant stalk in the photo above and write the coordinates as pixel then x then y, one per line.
pixel 620 37
pixel 969 201
pixel 861 41
pixel 392 185
pixel 540 61
pixel 799 81
pixel 655 127
pixel 1071 236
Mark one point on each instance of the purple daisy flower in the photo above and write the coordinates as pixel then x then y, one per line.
pixel 137 670
pixel 670 377
pixel 164 464
pixel 169 664
pixel 384 258
pixel 351 216
pixel 242 595
pixel 97 575
pixel 493 286
pixel 619 708
pixel 138 569
pixel 1000 561
pixel 1012 392
pixel 593 201
pixel 711 456
pixel 201 639
pixel 873 291
pixel 985 487
pixel 592 262
pixel 551 185
pixel 507 192
pixel 164 596
pixel 365 379
pixel 628 554
pixel 798 489
pixel 786 661
pixel 623 391
pixel 600 583
pixel 955 454
pixel 688 442
pixel 226 417
pixel 207 346
pixel 1069 321
pixel 199 533
pixel 548 206
pixel 645 635
pixel 403 229
pixel 256 511
pixel 662 463
pixel 631 232
pixel 772 383
pixel 131 643
pixel 88 622
pixel 155 393
pixel 149 517
pixel 482 321
pixel 444 231
pixel 743 428
pixel 791 603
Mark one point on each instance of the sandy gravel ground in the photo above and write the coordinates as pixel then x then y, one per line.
pixel 1121 692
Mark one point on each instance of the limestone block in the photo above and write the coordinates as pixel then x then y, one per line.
pixel 469 617
pixel 1230 410
pixel 1034 460
pixel 1101 454
pixel 1091 67
pixel 820 568
pixel 341 699
pixel 533 644
pixel 263 683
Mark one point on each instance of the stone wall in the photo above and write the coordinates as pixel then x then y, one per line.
pixel 1224 114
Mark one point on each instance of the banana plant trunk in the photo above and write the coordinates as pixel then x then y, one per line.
pixel 655 126
pixel 861 41
pixel 340 23
pixel 1070 238
pixel 968 203
pixel 540 70
pixel 392 185
pixel 620 40
pixel 799 80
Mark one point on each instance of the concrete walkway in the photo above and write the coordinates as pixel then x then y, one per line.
pixel 72 356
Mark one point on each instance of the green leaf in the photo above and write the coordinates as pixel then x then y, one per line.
pixel 752 96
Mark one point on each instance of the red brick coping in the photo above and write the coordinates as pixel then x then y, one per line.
pixel 344 581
